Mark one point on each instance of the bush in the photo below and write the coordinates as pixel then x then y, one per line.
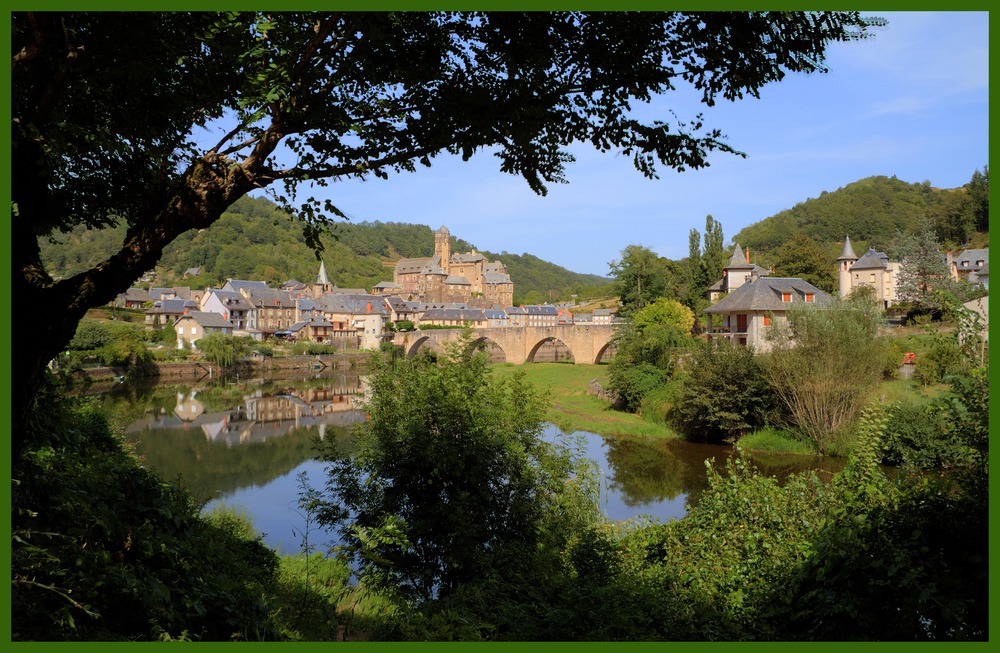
pixel 104 550
pixel 725 394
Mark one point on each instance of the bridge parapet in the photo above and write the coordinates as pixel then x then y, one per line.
pixel 588 343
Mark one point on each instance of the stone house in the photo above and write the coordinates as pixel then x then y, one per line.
pixel 166 311
pixel 133 298
pixel 746 313
pixel 873 270
pixel 195 325
pixel 968 265
pixel 231 305
pixel 364 315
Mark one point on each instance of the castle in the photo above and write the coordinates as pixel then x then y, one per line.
pixel 451 278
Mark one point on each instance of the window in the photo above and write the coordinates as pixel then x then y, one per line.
pixel 786 297
pixel 810 297
pixel 180 331
pixel 767 320
pixel 871 278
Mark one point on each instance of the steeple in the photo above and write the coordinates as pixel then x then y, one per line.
pixel 321 277
pixel 845 262
pixel 848 253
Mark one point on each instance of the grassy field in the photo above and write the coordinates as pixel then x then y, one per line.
pixel 572 409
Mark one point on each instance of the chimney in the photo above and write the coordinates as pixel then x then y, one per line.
pixel 748 254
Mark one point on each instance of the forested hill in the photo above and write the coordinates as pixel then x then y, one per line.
pixel 871 211
pixel 254 239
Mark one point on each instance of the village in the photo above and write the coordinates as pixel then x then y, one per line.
pixel 450 290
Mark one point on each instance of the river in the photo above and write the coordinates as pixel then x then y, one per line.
pixel 247 445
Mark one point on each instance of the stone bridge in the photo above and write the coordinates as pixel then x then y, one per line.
pixel 587 343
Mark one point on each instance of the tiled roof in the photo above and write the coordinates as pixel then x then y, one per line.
pixel 466 315
pixel 765 293
pixel 495 278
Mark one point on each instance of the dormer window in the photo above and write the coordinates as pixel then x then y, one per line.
pixel 786 297
pixel 810 297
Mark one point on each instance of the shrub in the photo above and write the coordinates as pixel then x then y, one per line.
pixel 724 395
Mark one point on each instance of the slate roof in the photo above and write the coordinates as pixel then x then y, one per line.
pixel 543 309
pixel 455 280
pixel 872 260
pixel 495 278
pixel 738 260
pixel 174 306
pixel 387 284
pixel 764 294
pixel 352 304
pixel 232 300
pixel 465 315
pixel 848 251
pixel 470 257
pixel 208 319
pixel 241 284
pixel 972 255
pixel 269 297
pixel 415 265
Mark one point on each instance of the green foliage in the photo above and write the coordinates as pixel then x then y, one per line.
pixel 90 335
pixel 825 365
pixel 801 257
pixel 663 312
pixel 725 393
pixel 102 549
pixel 449 477
pixel 639 278
pixel 224 350
pixel 870 211
pixel 942 357
pixel 646 351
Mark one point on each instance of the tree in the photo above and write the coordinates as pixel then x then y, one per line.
pixel 801 257
pixel 713 255
pixel 646 350
pixel 224 350
pixel 979 198
pixel 725 393
pixel 664 312
pixel 638 278
pixel 450 472
pixel 923 271
pixel 824 365
pixel 107 109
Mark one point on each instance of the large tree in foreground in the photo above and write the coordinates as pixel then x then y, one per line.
pixel 107 108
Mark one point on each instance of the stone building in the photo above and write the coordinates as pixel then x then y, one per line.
pixel 447 277
pixel 873 269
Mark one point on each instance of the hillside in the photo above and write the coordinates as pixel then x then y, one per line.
pixel 871 211
pixel 256 240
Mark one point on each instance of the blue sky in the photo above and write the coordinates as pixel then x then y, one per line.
pixel 911 102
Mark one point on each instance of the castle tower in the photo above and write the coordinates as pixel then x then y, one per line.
pixel 846 259
pixel 442 247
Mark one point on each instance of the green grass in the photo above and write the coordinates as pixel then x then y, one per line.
pixel 775 441
pixel 572 409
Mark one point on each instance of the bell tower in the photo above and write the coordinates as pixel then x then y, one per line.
pixel 442 247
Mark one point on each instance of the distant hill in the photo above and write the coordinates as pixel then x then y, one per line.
pixel 871 211
pixel 254 239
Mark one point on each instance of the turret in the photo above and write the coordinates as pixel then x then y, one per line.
pixel 442 247
pixel 846 259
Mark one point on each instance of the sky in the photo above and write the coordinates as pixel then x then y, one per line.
pixel 910 102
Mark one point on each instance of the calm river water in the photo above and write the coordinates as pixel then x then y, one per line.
pixel 246 444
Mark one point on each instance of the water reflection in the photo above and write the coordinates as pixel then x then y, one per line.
pixel 244 444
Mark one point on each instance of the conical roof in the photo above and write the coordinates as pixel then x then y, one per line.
pixel 738 259
pixel 321 277
pixel 848 252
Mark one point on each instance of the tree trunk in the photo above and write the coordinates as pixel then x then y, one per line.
pixel 45 313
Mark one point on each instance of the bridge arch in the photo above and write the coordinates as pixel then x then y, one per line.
pixel 493 348
pixel 431 343
pixel 555 342
pixel 603 351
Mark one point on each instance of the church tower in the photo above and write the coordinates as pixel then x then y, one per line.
pixel 322 284
pixel 442 247
pixel 846 259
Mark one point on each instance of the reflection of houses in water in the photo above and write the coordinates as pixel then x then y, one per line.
pixel 259 417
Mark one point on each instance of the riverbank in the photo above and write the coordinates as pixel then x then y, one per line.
pixel 202 369
pixel 573 409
